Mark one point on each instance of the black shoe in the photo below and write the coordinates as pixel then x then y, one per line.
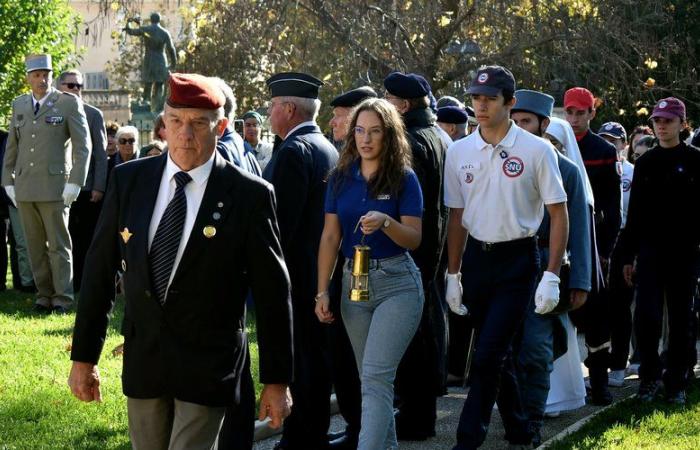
pixel 280 445
pixel 344 442
pixel 600 397
pixel 60 310
pixel 679 398
pixel 648 390
pixel 28 289
pixel 41 308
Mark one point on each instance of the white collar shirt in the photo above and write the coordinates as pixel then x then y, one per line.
pixel 626 180
pixel 194 192
pixel 40 101
pixel 309 123
pixel 502 188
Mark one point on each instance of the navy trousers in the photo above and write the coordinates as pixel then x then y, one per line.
pixel 499 283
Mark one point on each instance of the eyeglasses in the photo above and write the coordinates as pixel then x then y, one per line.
pixel 374 133
pixel 73 85
pixel 130 141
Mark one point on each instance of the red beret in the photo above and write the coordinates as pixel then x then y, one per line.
pixel 190 90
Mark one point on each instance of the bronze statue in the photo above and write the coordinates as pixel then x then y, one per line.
pixel 155 70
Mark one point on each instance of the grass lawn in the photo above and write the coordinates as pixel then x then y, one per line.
pixel 37 410
pixel 633 425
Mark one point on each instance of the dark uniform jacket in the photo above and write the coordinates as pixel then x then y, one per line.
pixel 192 348
pixel 97 171
pixel 428 162
pixel 604 172
pixel 299 172
pixel 661 214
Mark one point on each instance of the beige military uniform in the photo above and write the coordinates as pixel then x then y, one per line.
pixel 44 152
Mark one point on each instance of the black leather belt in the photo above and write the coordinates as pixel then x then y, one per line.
pixel 528 242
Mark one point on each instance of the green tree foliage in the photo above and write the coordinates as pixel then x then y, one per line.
pixel 629 53
pixel 32 26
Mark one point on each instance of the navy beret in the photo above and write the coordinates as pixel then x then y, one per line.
pixel 293 84
pixel 354 97
pixel 452 114
pixel 406 85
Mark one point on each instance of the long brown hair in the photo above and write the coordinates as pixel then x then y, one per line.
pixel 395 155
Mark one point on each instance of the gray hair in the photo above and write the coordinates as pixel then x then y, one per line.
pixel 128 129
pixel 308 107
pixel 230 104
pixel 66 73
pixel 448 100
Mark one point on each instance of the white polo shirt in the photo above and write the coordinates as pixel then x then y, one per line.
pixel 502 188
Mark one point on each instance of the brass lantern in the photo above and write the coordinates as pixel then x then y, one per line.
pixel 359 283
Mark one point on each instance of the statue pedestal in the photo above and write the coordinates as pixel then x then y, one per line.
pixel 143 119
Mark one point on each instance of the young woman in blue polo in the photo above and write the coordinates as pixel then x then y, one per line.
pixel 374 193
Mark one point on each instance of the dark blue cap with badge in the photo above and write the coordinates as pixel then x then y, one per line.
pixel 452 114
pixel 614 130
pixel 353 97
pixel 535 102
pixel 406 85
pixel 294 84
pixel 491 81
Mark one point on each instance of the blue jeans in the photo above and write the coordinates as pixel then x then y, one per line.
pixel 380 330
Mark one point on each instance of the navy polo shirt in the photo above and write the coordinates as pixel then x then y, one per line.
pixel 352 200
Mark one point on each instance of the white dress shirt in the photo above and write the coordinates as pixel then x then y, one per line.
pixel 194 191
pixel 40 101
pixel 310 123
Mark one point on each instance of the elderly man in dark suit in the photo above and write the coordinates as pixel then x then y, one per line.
pixel 298 170
pixel 86 208
pixel 191 234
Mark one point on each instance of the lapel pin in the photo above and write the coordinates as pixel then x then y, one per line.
pixel 123 266
pixel 216 215
pixel 209 231
pixel 126 235
pixel 220 204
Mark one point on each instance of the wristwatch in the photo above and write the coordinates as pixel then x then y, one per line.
pixel 387 222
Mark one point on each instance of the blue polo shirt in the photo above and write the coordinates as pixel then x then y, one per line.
pixel 352 200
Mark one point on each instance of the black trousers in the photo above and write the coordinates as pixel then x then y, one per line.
pixel 4 230
pixel 306 428
pixel 81 226
pixel 621 297
pixel 238 428
pixel 346 380
pixel 670 276
pixel 499 285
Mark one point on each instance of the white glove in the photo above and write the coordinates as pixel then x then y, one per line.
pixel 70 193
pixel 454 294
pixel 10 191
pixel 547 294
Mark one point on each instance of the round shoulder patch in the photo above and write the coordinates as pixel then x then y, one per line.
pixel 513 167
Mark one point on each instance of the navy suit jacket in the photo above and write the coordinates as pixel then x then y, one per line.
pixel 193 347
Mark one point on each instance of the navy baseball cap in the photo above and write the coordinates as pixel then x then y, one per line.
pixel 491 81
pixel 406 85
pixel 353 97
pixel 614 130
pixel 452 114
pixel 534 102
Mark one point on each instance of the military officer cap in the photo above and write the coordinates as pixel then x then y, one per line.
pixel 252 115
pixel 294 84
pixel 406 85
pixel 538 103
pixel 614 130
pixel 353 97
pixel 191 90
pixel 37 62
pixel 452 114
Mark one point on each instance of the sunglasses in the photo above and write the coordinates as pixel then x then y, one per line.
pixel 73 85
pixel 124 141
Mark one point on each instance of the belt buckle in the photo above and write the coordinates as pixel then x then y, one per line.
pixel 487 246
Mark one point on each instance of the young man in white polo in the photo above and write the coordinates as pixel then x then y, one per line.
pixel 498 182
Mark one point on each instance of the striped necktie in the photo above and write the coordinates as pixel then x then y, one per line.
pixel 167 238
